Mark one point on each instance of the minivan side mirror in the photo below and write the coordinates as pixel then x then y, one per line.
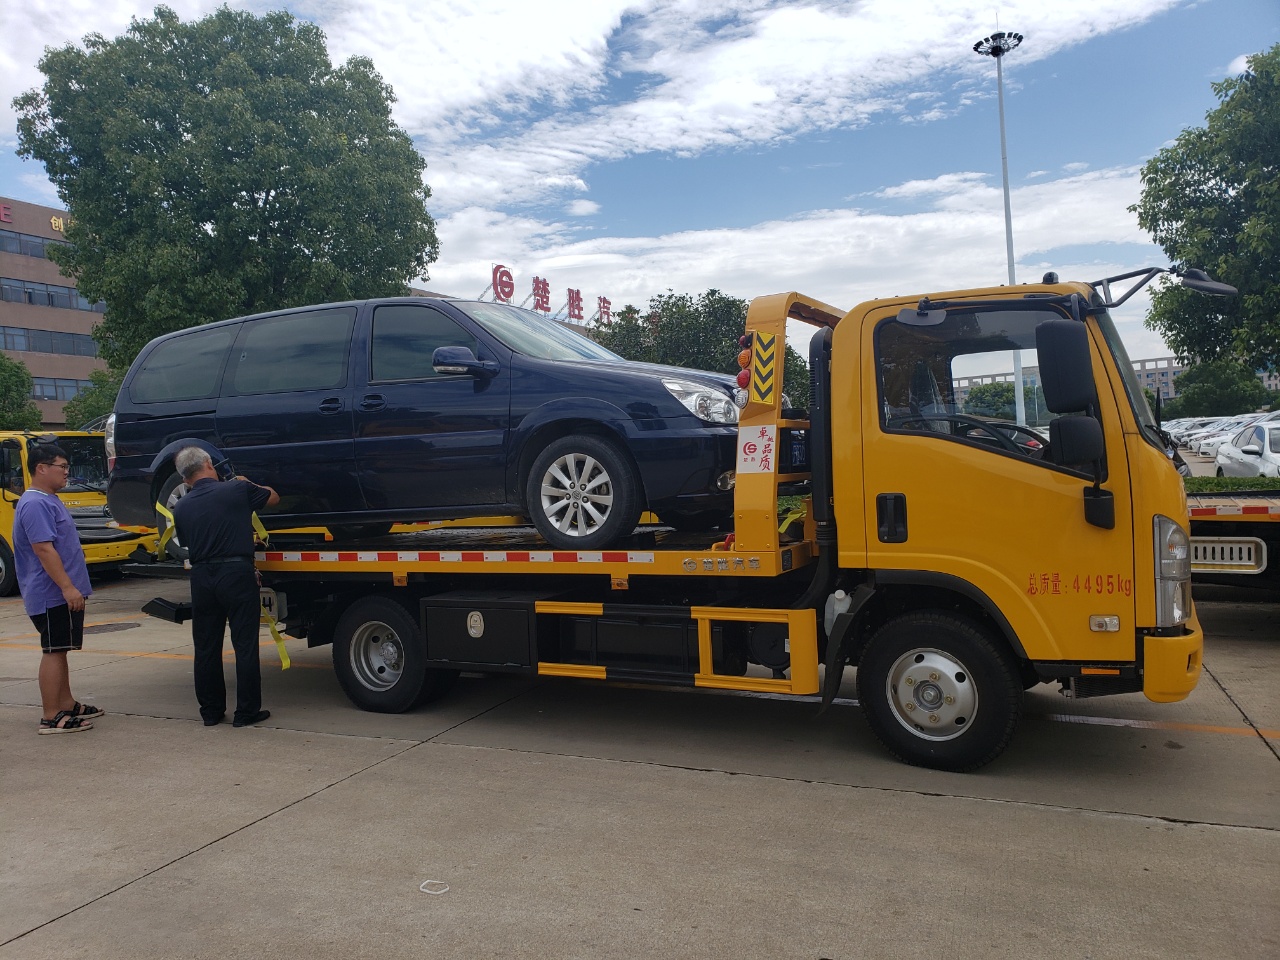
pixel 455 360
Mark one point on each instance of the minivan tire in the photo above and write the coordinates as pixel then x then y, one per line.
pixel 582 493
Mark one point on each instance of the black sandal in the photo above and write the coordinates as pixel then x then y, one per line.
pixel 63 722
pixel 84 711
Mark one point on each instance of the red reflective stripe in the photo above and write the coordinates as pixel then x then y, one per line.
pixel 310 557
pixel 516 556
pixel 472 557
pixel 565 557
pixel 348 557
pixel 388 556
pixel 432 557
pixel 614 557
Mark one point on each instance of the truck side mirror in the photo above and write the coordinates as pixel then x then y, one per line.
pixel 454 360
pixel 1078 440
pixel 1066 372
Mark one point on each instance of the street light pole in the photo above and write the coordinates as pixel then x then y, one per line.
pixel 996 46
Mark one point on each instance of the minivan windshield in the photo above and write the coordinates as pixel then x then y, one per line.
pixel 532 335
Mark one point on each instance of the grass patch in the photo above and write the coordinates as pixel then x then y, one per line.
pixel 1232 484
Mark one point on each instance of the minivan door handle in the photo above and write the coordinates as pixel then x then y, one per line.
pixel 331 405
pixel 373 401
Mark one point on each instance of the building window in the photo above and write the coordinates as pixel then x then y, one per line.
pixel 58 388
pixel 46 295
pixel 48 341
pixel 27 245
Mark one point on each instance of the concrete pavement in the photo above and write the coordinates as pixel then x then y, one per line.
pixel 572 819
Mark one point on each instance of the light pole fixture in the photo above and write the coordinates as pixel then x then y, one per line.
pixel 996 46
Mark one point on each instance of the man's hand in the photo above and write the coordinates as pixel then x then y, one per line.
pixel 74 598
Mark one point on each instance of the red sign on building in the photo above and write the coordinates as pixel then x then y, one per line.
pixel 541 294
pixel 575 304
pixel 504 285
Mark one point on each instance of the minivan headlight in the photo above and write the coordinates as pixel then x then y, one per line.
pixel 704 402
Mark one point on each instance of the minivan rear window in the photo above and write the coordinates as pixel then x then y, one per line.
pixel 301 351
pixel 184 368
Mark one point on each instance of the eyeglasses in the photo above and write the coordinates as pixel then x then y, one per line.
pixel 60 466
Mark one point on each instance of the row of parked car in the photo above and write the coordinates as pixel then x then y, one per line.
pixel 1247 445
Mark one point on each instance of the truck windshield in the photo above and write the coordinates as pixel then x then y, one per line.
pixel 88 458
pixel 533 335
pixel 1133 390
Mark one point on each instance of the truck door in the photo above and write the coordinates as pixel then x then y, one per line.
pixel 284 416
pixel 422 439
pixel 958 494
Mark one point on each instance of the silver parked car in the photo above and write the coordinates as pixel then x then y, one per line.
pixel 1253 452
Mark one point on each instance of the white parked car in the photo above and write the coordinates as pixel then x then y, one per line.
pixel 1253 452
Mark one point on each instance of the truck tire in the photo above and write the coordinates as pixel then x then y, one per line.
pixel 938 691
pixel 8 573
pixel 583 494
pixel 380 657
pixel 171 492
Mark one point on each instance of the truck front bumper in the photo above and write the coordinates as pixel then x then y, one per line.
pixel 1171 665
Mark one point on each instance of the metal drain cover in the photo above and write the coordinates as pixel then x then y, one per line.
pixel 110 627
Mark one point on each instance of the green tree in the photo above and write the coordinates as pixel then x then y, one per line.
pixel 1218 388
pixel 1212 200
pixel 223 167
pixel 17 410
pixel 990 400
pixel 700 333
pixel 97 401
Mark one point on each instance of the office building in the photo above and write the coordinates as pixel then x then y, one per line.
pixel 44 322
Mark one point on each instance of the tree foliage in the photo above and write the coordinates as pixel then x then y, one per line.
pixel 17 410
pixel 95 402
pixel 700 333
pixel 1220 388
pixel 1212 200
pixel 222 167
pixel 996 400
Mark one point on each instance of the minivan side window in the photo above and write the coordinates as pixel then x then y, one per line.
pixel 302 351
pixel 184 368
pixel 404 338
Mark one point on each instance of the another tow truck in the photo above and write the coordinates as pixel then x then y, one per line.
pixel 953 565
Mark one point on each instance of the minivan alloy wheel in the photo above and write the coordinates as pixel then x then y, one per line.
pixel 583 493
pixel 577 494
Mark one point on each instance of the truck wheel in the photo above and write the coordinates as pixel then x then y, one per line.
pixel 938 692
pixel 379 655
pixel 171 492
pixel 8 575
pixel 582 494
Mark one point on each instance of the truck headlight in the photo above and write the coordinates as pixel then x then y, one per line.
pixel 703 401
pixel 1173 572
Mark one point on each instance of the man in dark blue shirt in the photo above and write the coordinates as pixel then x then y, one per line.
pixel 214 522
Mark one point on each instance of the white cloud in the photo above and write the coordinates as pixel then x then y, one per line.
pixel 839 256
pixel 1238 66
pixel 1076 167
pixel 582 208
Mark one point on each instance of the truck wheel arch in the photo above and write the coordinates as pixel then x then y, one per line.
pixel 968 597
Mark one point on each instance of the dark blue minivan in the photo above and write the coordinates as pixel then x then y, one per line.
pixel 397 410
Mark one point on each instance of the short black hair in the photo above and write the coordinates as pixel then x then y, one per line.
pixel 45 453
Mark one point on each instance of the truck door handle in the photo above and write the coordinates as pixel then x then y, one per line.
pixel 374 401
pixel 891 517
pixel 331 405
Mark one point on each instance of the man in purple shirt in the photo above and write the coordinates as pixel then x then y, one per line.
pixel 54 582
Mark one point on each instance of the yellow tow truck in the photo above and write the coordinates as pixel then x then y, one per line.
pixel 953 561
pixel 106 544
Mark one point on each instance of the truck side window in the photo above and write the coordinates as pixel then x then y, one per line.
pixel 953 378
pixel 11 470
pixel 302 351
pixel 184 368
pixel 404 338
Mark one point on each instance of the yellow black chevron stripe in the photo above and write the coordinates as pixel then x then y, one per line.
pixel 764 366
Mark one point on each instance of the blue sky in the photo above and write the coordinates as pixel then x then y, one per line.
pixel 848 150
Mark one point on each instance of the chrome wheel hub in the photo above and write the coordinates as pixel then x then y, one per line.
pixel 577 494
pixel 377 656
pixel 932 694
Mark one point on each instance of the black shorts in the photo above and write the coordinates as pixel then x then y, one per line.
pixel 61 628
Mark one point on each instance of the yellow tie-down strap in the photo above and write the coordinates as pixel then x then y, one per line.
pixel 264 617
